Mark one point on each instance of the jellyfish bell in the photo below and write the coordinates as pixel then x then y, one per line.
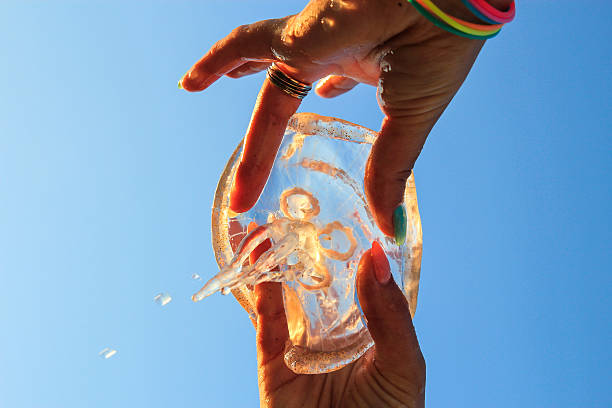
pixel 314 213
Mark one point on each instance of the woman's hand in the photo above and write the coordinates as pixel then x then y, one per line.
pixel 416 66
pixel 392 374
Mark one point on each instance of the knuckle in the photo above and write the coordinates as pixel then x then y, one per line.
pixel 240 31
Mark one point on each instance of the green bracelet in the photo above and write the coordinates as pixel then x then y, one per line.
pixel 447 27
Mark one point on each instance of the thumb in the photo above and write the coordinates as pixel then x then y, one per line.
pixel 391 160
pixel 388 316
pixel 416 84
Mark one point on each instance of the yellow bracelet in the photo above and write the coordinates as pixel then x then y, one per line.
pixel 459 24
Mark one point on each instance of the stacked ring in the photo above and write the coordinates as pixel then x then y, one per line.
pixel 285 83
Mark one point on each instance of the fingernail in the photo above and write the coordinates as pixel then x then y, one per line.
pixel 399 224
pixel 382 270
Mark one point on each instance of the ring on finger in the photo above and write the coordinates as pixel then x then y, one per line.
pixel 287 84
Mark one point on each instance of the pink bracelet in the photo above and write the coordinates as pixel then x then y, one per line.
pixel 491 13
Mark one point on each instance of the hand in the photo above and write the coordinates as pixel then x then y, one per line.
pixel 416 66
pixel 391 374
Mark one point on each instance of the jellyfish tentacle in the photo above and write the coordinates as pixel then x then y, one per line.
pixel 224 279
pixel 236 273
pixel 314 270
pixel 248 244
pixel 276 254
pixel 325 278
pixel 233 273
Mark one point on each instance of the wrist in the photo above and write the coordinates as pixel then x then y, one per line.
pixel 456 8
pixel 500 4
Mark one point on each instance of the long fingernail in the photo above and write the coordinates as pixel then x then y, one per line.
pixel 399 224
pixel 382 270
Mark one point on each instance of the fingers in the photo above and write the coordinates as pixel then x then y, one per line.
pixel 263 138
pixel 248 68
pixel 248 49
pixel 388 316
pixel 334 85
pixel 245 43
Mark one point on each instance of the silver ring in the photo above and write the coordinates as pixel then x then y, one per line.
pixel 285 83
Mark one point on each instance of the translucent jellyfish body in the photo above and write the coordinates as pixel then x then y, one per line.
pixel 315 215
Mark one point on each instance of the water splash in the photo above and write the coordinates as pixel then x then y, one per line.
pixel 162 299
pixel 107 353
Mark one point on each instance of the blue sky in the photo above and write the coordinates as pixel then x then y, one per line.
pixel 107 174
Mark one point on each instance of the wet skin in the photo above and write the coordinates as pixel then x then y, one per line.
pixel 416 66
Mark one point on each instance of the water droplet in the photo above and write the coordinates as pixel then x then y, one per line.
pixel 162 299
pixel 107 353
pixel 379 93
pixel 196 276
pixel 327 23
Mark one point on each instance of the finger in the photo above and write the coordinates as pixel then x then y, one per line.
pixel 248 68
pixel 247 42
pixel 412 99
pixel 263 138
pixel 272 331
pixel 334 85
pixel 391 160
pixel 409 116
pixel 388 316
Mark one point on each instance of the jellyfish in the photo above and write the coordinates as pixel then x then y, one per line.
pixel 295 242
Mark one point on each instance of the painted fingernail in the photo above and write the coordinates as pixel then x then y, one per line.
pixel 399 224
pixel 382 270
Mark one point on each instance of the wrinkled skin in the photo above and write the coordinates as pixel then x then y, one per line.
pixel 391 374
pixel 416 66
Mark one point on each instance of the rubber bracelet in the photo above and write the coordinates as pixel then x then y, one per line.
pixel 435 10
pixel 483 27
pixel 447 27
pixel 488 13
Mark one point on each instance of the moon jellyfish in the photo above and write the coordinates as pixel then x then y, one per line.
pixel 315 216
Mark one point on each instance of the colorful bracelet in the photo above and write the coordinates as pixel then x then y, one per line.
pixel 457 24
pixel 490 14
pixel 452 24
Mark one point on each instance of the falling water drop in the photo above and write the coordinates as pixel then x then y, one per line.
pixel 107 353
pixel 162 299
